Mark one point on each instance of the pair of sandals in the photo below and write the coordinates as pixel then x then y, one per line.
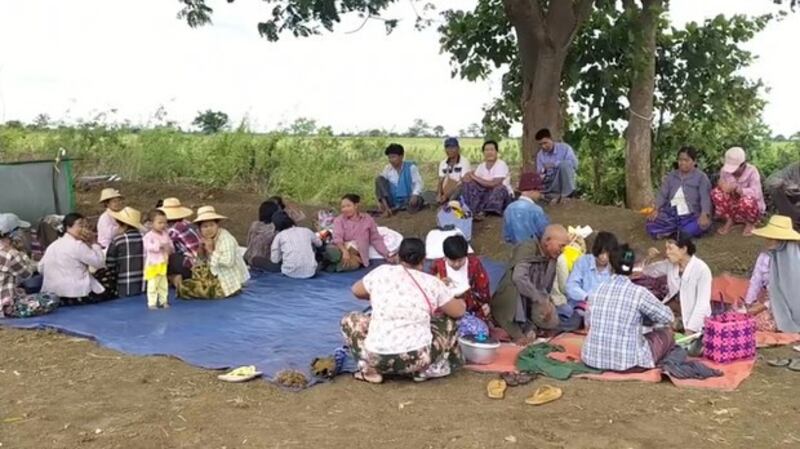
pixel 790 364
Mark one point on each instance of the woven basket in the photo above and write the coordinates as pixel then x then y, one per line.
pixel 729 337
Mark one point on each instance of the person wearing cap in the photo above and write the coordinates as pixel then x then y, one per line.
pixel 107 227
pixel 399 186
pixel 487 189
pixel 451 172
pixel 15 268
pixel 125 254
pixel 184 237
pixel 67 262
pixel 220 271
pixel 772 295
pixel 523 219
pixel 557 164
pixel 783 187
pixel 738 197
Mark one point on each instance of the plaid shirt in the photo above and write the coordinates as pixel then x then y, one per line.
pixel 616 311
pixel 186 241
pixel 15 266
pixel 125 257
pixel 227 265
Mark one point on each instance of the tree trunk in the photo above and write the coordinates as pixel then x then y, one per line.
pixel 639 134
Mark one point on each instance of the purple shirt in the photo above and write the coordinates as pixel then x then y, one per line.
pixel 562 153
pixel 696 190
pixel 107 229
pixel 748 184
pixel 362 230
pixel 759 280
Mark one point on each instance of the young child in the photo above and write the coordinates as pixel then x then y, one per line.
pixel 293 247
pixel 157 248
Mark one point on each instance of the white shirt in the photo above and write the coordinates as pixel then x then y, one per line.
pixel 65 268
pixel 456 171
pixel 459 277
pixel 401 316
pixel 498 170
pixel 393 176
pixel 694 289
pixel 294 249
pixel 679 202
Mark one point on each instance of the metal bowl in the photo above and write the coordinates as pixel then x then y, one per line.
pixel 478 353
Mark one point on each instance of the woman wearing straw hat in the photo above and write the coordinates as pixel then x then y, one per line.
pixel 221 272
pixel 772 297
pixel 738 197
pixel 184 237
pixel 107 227
pixel 125 254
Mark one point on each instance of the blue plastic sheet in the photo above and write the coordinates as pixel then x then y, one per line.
pixel 275 324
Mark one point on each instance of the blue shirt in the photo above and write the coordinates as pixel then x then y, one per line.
pixel 616 312
pixel 585 278
pixel 562 154
pixel 523 220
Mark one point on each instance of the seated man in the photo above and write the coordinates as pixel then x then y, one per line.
pixel 784 190
pixel 451 172
pixel 522 302
pixel 523 219
pixel 557 164
pixel 399 186
pixel 618 311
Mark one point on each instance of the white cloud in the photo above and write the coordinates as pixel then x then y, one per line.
pixel 95 55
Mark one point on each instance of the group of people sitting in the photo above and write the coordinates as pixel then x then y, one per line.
pixel 551 284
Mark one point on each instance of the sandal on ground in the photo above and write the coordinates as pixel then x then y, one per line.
pixel 794 365
pixel 368 378
pixel 779 363
pixel 544 394
pixel 796 348
pixel 240 374
pixel 496 389
pixel 516 379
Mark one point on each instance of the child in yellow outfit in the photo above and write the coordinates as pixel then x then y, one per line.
pixel 157 248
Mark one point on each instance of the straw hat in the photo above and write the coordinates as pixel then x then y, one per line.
pixel 130 217
pixel 778 228
pixel 173 209
pixel 208 213
pixel 109 194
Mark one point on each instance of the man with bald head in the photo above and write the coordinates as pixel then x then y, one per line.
pixel 522 303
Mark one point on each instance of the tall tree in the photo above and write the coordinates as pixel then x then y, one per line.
pixel 211 122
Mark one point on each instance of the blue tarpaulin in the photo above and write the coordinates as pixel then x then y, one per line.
pixel 275 323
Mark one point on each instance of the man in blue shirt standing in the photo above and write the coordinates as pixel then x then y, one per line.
pixel 557 164
pixel 523 219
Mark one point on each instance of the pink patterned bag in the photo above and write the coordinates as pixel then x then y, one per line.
pixel 729 337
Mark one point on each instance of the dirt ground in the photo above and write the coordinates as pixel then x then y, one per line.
pixel 63 392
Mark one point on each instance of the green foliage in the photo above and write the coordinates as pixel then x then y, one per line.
pixel 211 122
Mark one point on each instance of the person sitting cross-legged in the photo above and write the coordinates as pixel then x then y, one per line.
pixel 399 186
pixel 557 164
pixel 487 190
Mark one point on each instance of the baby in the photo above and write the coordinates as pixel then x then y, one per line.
pixel 157 247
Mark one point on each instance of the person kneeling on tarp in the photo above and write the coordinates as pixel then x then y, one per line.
pixel 412 329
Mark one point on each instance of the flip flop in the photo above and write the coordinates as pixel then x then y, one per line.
pixel 779 363
pixel 240 374
pixel 796 348
pixel 794 365
pixel 544 394
pixel 496 389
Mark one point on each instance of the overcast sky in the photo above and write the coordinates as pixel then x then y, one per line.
pixel 73 59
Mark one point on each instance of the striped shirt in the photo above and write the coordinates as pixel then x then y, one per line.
pixel 294 249
pixel 616 312
pixel 125 257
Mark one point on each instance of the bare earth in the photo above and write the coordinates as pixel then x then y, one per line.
pixel 63 392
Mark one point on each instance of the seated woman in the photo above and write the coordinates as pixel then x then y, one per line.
pixel 220 272
pixel 412 330
pixel 738 197
pixel 784 192
pixel 67 262
pixel 688 283
pixel 775 306
pixel 260 237
pixel 465 275
pixel 293 248
pixel 353 233
pixel 185 239
pixel 125 254
pixel 590 270
pixel 683 203
pixel 293 212
pixel 487 190
pixel 15 268
pixel 106 225
pixel 619 310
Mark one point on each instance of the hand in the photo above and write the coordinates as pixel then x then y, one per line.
pixel 345 256
pixel 88 236
pixel 704 221
pixel 208 246
pixel 467 177
pixel 653 252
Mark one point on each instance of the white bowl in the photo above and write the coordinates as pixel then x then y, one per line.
pixel 478 353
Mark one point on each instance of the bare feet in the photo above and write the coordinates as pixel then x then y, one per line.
pixel 555 201
pixel 726 228
pixel 748 229
pixel 373 378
